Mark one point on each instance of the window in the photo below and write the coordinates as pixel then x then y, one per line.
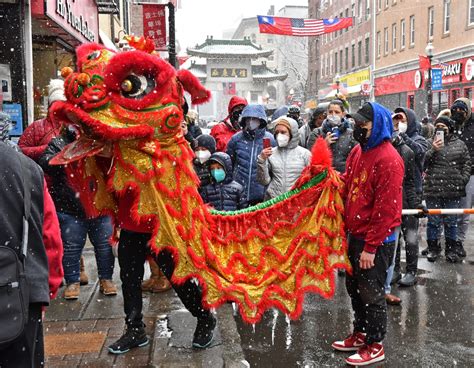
pixel 353 10
pixel 386 4
pixel 430 22
pixel 367 50
pixel 346 58
pixel 470 12
pixel 412 30
pixel 402 34
pixel 379 44
pixel 359 10
pixel 467 93
pixel 367 9
pixel 347 16
pixel 379 5
pixel 336 65
pixel 447 13
pixel 340 16
pixel 385 36
pixel 254 96
pixel 340 60
pixel 322 67
pixel 353 59
pixel 331 70
pixel 394 37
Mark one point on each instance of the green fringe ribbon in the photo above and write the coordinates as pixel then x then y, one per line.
pixel 311 183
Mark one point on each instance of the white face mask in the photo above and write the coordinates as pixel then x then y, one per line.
pixel 334 120
pixel 402 127
pixel 253 123
pixel 282 140
pixel 203 156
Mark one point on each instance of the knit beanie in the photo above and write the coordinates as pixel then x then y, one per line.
pixel 206 141
pixel 284 122
pixel 450 123
pixel 56 91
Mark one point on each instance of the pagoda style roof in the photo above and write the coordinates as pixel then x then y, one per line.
pixel 265 74
pixel 199 70
pixel 229 49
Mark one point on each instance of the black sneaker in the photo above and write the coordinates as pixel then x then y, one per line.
pixel 132 338
pixel 204 332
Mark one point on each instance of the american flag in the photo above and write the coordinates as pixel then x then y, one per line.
pixel 300 26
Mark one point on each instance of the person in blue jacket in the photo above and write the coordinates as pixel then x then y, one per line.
pixel 243 149
pixel 223 193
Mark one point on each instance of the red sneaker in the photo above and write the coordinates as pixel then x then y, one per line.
pixel 367 354
pixel 350 343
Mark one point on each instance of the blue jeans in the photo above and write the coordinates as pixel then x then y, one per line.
pixel 449 221
pixel 387 287
pixel 74 232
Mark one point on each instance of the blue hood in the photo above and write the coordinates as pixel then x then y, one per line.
pixel 281 111
pixel 225 161
pixel 382 126
pixel 254 111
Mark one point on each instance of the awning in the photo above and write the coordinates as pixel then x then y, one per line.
pixel 345 91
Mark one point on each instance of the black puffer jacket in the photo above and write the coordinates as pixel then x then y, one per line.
pixel 227 195
pixel 410 199
pixel 465 131
pixel 202 171
pixel 341 148
pixel 447 171
pixel 64 197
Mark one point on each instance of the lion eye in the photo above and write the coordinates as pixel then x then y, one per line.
pixel 137 86
pixel 94 55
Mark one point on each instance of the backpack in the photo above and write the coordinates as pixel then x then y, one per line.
pixel 13 284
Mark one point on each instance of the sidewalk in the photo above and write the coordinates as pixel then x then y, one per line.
pixel 77 333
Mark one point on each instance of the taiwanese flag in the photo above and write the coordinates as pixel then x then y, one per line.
pixel 300 26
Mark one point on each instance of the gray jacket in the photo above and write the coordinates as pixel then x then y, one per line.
pixel 281 170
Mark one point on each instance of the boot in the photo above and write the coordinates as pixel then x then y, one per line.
pixel 83 278
pixel 425 252
pixel 460 249
pixel 157 281
pixel 450 252
pixel 434 250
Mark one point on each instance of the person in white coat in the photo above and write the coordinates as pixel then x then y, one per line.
pixel 280 167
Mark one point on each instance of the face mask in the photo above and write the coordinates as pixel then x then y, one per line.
pixel 253 124
pixel 234 118
pixel 458 117
pixel 218 175
pixel 282 140
pixel 360 134
pixel 203 156
pixel 402 127
pixel 334 120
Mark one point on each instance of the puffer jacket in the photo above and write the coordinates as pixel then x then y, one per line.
pixel 227 195
pixel 305 133
pixel 281 170
pixel 447 171
pixel 341 148
pixel 202 171
pixel 418 144
pixel 243 149
pixel 410 199
pixel 465 131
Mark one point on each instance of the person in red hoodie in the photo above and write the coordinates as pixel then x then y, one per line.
pixel 224 131
pixel 373 209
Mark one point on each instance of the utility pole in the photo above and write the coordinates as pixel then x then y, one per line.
pixel 374 50
pixel 172 36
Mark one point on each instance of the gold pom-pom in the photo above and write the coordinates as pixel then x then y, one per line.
pixel 83 79
pixel 66 71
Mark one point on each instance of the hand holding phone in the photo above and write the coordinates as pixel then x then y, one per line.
pixel 440 135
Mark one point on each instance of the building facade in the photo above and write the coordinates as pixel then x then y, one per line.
pixel 404 28
pixel 340 61
pixel 231 67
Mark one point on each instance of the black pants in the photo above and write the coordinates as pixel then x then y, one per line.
pixel 410 234
pixel 366 289
pixel 132 251
pixel 28 350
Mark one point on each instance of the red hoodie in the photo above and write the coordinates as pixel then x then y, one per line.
pixel 224 131
pixel 373 193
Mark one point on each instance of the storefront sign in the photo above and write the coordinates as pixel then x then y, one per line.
pixel 355 79
pixel 417 79
pixel 14 110
pixel 79 18
pixel 154 25
pixel 452 73
pixel 469 69
pixel 436 79
pixel 229 72
pixel 5 82
pixel 366 87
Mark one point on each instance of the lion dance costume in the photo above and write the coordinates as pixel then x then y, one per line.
pixel 264 256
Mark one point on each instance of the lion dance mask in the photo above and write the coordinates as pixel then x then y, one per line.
pixel 264 256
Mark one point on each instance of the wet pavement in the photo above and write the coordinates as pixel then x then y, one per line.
pixel 433 327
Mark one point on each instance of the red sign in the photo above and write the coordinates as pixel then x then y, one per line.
pixel 78 18
pixel 154 25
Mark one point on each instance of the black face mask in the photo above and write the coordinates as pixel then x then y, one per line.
pixel 234 118
pixel 360 134
pixel 458 117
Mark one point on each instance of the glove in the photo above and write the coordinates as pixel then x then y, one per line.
pixel 424 210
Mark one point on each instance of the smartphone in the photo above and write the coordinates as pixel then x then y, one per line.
pixel 440 135
pixel 267 143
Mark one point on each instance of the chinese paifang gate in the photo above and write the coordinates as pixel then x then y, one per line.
pixel 264 256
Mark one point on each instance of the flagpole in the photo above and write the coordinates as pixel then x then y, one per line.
pixel 374 55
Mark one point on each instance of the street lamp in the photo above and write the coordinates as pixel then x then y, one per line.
pixel 337 79
pixel 429 93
